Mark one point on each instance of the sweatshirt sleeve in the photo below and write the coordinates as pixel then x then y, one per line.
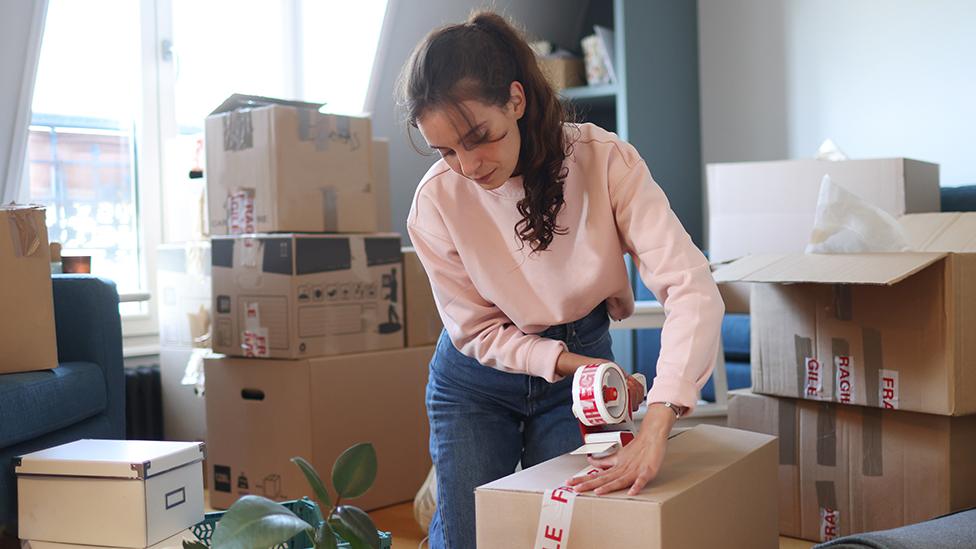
pixel 676 271
pixel 476 326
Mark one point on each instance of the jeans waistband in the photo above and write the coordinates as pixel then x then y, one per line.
pixel 596 320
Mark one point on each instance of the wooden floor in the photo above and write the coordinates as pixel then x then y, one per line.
pixel 398 519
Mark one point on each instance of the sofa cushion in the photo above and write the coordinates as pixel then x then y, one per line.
pixel 735 337
pixel 33 404
pixel 738 376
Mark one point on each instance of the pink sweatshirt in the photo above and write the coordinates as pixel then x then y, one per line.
pixel 494 296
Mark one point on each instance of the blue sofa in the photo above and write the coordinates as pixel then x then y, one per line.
pixel 735 327
pixel 82 398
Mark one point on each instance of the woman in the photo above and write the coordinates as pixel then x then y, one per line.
pixel 522 226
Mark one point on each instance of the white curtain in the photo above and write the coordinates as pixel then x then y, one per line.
pixel 21 30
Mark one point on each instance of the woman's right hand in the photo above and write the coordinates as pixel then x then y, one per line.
pixel 568 363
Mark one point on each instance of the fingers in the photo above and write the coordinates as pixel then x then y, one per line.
pixel 640 482
pixel 604 462
pixel 593 482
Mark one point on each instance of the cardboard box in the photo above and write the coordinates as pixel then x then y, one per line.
pixel 275 165
pixel 562 72
pixel 27 332
pixel 768 207
pixel 716 488
pixel 306 295
pixel 423 321
pixel 861 469
pixel 175 542
pixel 146 491
pixel 184 411
pixel 261 413
pixel 883 330
pixel 183 283
pixel 381 185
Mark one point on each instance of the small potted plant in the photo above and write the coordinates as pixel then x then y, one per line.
pixel 257 522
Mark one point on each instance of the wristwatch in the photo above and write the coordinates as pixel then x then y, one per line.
pixel 677 409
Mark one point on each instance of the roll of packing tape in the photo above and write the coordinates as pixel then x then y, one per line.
pixel 600 394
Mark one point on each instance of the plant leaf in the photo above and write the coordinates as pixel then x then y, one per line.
pixel 356 527
pixel 354 471
pixel 325 537
pixel 254 521
pixel 315 481
pixel 187 544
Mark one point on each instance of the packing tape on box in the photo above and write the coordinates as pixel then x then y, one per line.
pixel 804 350
pixel 829 514
pixel 827 435
pixel 843 302
pixel 240 211
pixel 24 233
pixel 313 127
pixel 556 515
pixel 871 339
pixel 843 370
pixel 330 208
pixel 254 337
pixel 238 130
pixel 787 431
pixel 872 464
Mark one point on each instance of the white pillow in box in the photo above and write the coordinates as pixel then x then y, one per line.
pixel 115 493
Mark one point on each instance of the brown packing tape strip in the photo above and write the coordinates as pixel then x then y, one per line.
pixel 787 431
pixel 872 363
pixel 23 232
pixel 826 494
pixel 871 445
pixel 827 435
pixel 330 208
pixel 238 130
pixel 804 350
pixel 843 307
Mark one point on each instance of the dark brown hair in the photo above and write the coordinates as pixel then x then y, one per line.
pixel 479 60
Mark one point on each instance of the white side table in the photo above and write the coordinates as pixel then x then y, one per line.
pixel 649 315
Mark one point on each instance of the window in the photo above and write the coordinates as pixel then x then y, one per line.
pixel 122 91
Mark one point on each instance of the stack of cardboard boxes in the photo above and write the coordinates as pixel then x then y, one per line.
pixel 325 325
pixel 862 365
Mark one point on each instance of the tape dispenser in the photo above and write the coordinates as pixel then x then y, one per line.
pixel 601 403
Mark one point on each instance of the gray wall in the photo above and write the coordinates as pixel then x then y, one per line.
pixel 892 78
pixel 412 20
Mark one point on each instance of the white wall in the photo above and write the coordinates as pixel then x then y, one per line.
pixel 881 78
pixel 412 20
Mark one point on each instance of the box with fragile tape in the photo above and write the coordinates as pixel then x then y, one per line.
pixel 262 413
pixel 706 472
pixel 882 330
pixel 306 295
pixel 850 469
pixel 275 165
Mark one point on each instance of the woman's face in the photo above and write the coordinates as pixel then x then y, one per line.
pixel 484 146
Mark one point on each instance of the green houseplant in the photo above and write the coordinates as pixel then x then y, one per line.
pixel 254 522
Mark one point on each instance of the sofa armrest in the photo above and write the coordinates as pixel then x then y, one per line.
pixel 89 329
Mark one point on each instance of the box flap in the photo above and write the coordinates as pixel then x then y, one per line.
pixel 110 458
pixel 241 101
pixel 886 268
pixel 693 456
pixel 941 232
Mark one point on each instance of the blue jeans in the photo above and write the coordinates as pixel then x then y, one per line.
pixel 484 421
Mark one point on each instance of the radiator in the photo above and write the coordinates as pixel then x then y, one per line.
pixel 143 403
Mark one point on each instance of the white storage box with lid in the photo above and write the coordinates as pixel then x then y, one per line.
pixel 115 493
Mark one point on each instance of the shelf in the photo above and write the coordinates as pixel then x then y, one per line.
pixel 604 92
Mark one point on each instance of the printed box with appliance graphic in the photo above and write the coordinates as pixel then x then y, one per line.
pixel 307 295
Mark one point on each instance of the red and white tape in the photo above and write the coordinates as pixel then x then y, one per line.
pixel 556 515
pixel 600 394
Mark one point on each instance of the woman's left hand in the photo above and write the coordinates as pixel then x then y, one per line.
pixel 635 464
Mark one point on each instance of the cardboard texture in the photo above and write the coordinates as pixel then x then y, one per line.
pixel 184 412
pixel 183 283
pixel 284 166
pixel 768 207
pixel 261 413
pixel 147 491
pixel 381 185
pixel 423 321
pixel 306 295
pixel 881 330
pixel 706 471
pixel 865 469
pixel 27 332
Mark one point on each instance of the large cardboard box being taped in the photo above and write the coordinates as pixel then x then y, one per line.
pixel 883 330
pixel 716 488
pixel 183 282
pixel 262 413
pixel 423 321
pixel 306 295
pixel 283 166
pixel 27 329
pixel 117 493
pixel 768 207
pixel 861 469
